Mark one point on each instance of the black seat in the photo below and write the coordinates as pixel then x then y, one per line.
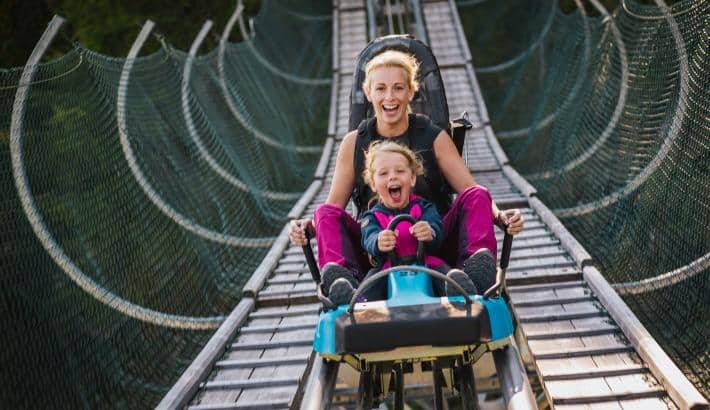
pixel 430 100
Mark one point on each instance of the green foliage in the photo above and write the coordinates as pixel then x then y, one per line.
pixel 109 27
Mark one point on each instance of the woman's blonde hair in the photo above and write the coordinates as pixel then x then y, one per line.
pixel 414 161
pixel 393 58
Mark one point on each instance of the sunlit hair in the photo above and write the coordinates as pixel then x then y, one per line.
pixel 414 161
pixel 393 58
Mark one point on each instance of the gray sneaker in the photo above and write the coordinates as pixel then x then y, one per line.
pixel 481 268
pixel 463 280
pixel 332 271
pixel 340 292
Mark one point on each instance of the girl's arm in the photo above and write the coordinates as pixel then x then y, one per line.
pixel 432 217
pixel 371 229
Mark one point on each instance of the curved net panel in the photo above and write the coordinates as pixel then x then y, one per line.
pixel 608 118
pixel 136 203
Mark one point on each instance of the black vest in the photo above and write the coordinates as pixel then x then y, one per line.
pixel 419 137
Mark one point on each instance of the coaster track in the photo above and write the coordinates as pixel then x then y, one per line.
pixel 577 337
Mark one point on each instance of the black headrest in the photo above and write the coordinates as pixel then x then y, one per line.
pixel 431 98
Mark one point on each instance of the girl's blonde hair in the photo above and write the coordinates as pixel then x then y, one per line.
pixel 393 58
pixel 414 161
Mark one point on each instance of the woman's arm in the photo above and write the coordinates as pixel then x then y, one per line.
pixel 344 175
pixel 451 163
pixel 459 177
pixel 340 188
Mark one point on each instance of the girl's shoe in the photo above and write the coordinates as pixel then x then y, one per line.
pixel 463 280
pixel 340 292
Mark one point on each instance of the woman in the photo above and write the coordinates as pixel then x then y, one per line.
pixel 469 239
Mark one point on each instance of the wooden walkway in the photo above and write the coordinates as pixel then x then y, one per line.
pixel 578 337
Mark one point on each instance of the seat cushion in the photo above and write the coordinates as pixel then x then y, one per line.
pixel 382 328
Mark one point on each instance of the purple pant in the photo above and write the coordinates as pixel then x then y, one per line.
pixel 468 227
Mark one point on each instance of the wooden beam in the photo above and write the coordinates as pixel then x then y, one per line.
pixel 681 391
pixel 184 389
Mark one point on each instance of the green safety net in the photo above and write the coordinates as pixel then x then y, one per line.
pixel 138 196
pixel 606 114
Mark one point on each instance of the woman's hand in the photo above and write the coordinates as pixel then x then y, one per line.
pixel 297 231
pixel 386 240
pixel 422 231
pixel 514 219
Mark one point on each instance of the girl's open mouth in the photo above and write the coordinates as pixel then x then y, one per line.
pixel 395 193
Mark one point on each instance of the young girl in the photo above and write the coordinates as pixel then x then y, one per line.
pixel 391 172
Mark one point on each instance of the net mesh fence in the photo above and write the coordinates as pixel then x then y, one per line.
pixel 605 111
pixel 138 196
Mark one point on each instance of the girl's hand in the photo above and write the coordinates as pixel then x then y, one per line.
pixel 422 231
pixel 386 240
pixel 297 231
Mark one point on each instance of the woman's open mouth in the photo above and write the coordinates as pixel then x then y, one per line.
pixel 390 109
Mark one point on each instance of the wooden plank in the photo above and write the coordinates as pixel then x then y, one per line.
pixel 538 287
pixel 613 397
pixel 542 252
pixel 552 301
pixel 288 289
pixel 590 406
pixel 250 383
pixel 271 344
pixel 582 351
pixel 661 403
pixel 291 311
pixel 297 279
pixel 594 372
pixel 261 362
pixel 595 331
pixel 294 298
pixel 546 264
pixel 262 404
pixel 540 276
pixel 556 315
pixel 549 293
pixel 534 243
pixel 277 328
